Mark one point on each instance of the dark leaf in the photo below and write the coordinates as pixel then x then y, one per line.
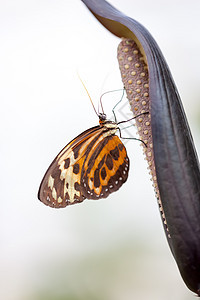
pixel 176 162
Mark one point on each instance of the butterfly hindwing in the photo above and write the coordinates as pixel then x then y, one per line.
pixel 105 168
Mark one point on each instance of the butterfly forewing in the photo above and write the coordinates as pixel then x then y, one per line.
pixel 92 166
pixel 60 185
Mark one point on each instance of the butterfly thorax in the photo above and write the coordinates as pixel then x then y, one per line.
pixel 109 127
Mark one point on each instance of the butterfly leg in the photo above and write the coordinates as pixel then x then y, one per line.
pixel 113 110
pixel 130 138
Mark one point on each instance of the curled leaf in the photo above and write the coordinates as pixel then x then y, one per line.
pixel 171 153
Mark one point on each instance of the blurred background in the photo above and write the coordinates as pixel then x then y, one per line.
pixel 112 249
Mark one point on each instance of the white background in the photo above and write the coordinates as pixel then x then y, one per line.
pixel 111 249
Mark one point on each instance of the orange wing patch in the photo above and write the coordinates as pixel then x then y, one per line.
pixel 106 170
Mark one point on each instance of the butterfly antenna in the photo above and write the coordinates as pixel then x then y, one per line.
pixel 88 94
pixel 101 102
pixel 110 92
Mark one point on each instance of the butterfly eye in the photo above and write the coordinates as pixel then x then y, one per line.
pixel 102 116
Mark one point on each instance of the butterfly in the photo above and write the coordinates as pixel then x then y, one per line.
pixel 93 165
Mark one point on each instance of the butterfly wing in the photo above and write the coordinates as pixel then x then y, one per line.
pixel 105 168
pixel 61 184
pixel 92 166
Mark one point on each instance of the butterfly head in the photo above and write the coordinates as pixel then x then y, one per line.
pixel 102 118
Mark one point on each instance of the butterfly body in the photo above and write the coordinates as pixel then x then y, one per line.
pixel 92 166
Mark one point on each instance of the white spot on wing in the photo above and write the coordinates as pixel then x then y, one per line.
pixel 63 174
pixel 60 200
pixel 51 182
pixel 54 193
